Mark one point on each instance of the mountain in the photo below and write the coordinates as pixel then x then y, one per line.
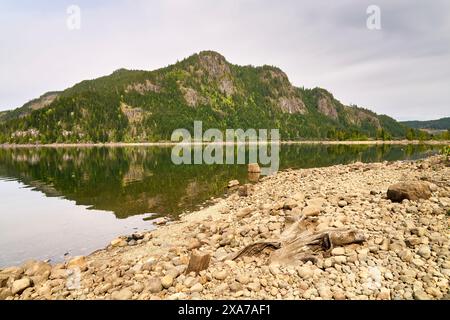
pixel 136 105
pixel 439 124
pixel 28 107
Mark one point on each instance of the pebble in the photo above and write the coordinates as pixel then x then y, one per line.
pixel 220 275
pixel 154 285
pixel 124 294
pixel 405 254
pixel 19 286
pixel 198 287
pixel 167 281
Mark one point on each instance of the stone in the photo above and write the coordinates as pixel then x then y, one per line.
pixel 220 275
pixel 413 241
pixel 290 204
pixel 339 295
pixel 309 293
pixel 5 293
pixel 177 296
pixel 342 203
pixel 221 288
pixel 243 278
pixel 198 287
pixel 339 251
pixel 254 168
pixel 124 294
pixel 58 273
pixel 418 262
pixel 325 292
pixel 19 286
pixel 34 268
pixel 424 251
pixel 418 231
pixel 4 278
pixel 406 255
pixel 385 244
pixel 167 281
pixel 322 226
pixel 411 190
pixel 245 190
pixel 190 281
pixel 274 269
pixel 316 202
pixel 77 262
pixel 244 212
pixel 299 196
pixel 433 187
pixel 194 243
pixel 154 285
pixel 137 287
pixel 233 183
pixel 421 295
pixel 235 286
pixel 434 292
pixel 119 242
pixel 311 211
pixel 385 294
pixel 305 272
pixel 13 271
pixel 397 245
pixel 340 259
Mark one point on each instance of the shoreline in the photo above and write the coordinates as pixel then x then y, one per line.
pixel 404 242
pixel 170 143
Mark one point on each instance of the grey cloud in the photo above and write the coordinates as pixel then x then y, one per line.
pixel 402 70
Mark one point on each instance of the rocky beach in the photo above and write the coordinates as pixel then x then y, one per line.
pixel 357 231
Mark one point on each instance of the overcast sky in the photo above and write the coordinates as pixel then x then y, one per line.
pixel 402 70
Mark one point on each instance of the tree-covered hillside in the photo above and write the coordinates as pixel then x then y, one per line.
pixel 439 124
pixel 138 106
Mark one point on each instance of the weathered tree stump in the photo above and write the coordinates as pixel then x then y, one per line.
pixel 302 247
pixel 198 261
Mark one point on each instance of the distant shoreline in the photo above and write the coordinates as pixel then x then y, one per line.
pixel 170 143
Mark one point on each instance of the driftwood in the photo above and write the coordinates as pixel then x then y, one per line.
pixel 198 262
pixel 255 249
pixel 305 246
pixel 300 242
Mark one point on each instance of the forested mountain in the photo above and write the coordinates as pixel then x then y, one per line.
pixel 439 124
pixel 138 106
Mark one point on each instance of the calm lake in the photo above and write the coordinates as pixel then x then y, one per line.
pixel 72 201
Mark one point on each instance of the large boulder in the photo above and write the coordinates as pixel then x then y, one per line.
pixel 413 190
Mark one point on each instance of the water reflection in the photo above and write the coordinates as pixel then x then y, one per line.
pixel 135 180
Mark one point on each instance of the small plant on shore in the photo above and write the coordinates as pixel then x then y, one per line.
pixel 445 151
